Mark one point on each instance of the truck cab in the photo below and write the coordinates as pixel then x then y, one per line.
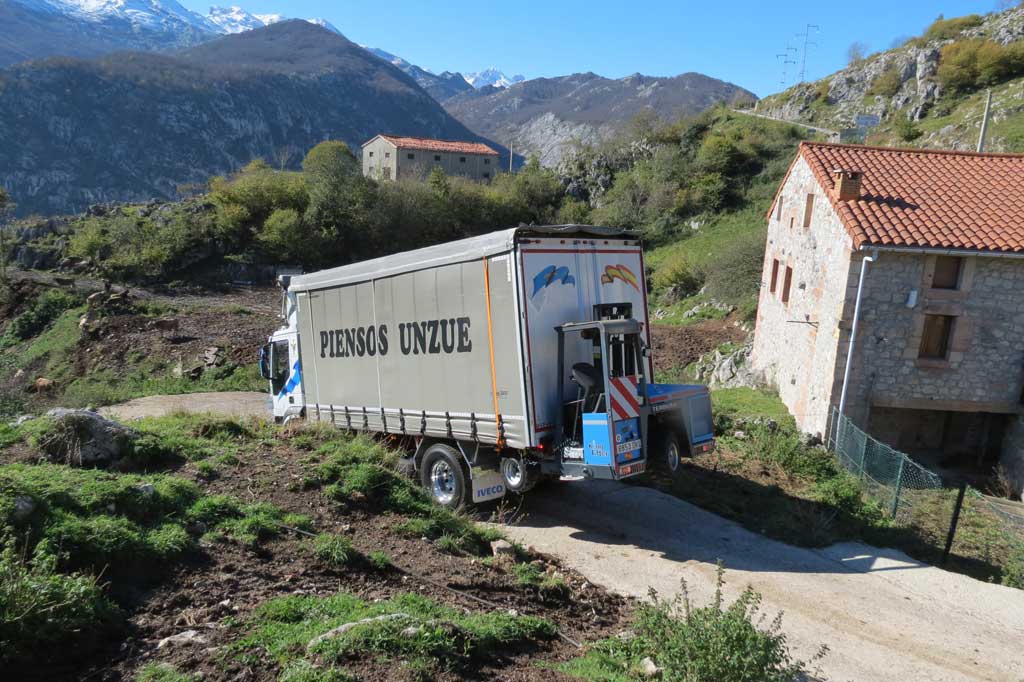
pixel 280 364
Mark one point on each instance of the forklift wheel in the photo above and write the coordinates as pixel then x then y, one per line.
pixel 672 453
pixel 444 477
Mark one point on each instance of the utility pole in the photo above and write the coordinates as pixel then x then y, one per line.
pixel 806 35
pixel 511 154
pixel 984 122
pixel 785 56
pixel 5 206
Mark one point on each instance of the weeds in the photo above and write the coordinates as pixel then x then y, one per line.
pixel 41 607
pixel 699 644
pixel 549 584
pixel 379 560
pixel 163 672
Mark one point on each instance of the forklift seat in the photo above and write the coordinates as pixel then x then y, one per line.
pixel 589 379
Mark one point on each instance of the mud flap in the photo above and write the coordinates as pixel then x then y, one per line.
pixel 487 484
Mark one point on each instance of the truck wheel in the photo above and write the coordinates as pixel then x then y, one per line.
pixel 672 453
pixel 444 477
pixel 517 476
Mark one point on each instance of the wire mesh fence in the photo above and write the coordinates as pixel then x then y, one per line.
pixel 947 520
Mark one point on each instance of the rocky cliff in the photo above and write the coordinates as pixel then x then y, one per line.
pixel 545 116
pixel 903 83
pixel 133 126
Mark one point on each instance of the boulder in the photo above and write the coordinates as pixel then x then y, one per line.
pixel 649 669
pixel 186 637
pixel 503 549
pixel 84 438
pixel 23 508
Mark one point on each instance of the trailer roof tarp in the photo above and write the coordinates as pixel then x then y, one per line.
pixel 451 252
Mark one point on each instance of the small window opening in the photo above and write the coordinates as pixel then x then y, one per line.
pixel 947 272
pixel 935 338
pixel 786 283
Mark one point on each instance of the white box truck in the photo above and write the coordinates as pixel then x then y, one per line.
pixel 499 359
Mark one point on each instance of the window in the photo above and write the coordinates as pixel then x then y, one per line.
pixel 786 283
pixel 462 159
pixel 487 162
pixel 775 275
pixel 437 157
pixel 947 272
pixel 938 330
pixel 387 155
pixel 371 155
pixel 410 156
pixel 778 210
pixel 808 210
pixel 487 176
pixel 791 222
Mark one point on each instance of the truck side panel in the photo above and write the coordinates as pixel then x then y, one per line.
pixel 561 283
pixel 412 353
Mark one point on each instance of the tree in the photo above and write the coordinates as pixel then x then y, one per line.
pixel 339 197
pixel 856 53
pixel 6 205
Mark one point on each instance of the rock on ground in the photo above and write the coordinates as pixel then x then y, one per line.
pixel 84 438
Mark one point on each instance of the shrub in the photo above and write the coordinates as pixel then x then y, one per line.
pixel 699 644
pixel 734 276
pixel 970 64
pixel 42 608
pixel 1013 571
pixel 379 560
pixel 47 308
pixel 946 29
pixel 886 83
pixel 678 275
pixel 906 129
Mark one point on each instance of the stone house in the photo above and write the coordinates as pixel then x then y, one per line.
pixel 937 368
pixel 390 157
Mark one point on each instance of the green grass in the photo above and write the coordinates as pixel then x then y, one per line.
pixel 749 403
pixel 333 550
pixel 107 387
pixel 548 585
pixel 163 672
pixel 421 631
pixel 358 471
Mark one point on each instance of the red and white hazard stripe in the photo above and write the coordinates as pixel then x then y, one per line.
pixel 623 398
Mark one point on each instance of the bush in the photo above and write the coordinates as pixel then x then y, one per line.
pixel 42 608
pixel 946 29
pixel 906 129
pixel 970 64
pixel 703 644
pixel 887 83
pixel 47 308
pixel 677 274
pixel 734 276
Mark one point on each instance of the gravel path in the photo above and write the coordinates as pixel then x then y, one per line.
pixel 234 403
pixel 883 615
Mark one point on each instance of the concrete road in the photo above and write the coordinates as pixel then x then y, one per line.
pixel 232 403
pixel 883 615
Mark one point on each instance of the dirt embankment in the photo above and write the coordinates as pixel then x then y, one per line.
pixel 677 346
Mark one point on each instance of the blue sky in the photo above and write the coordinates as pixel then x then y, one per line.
pixel 736 41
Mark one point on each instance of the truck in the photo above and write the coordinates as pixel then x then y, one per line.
pixel 497 361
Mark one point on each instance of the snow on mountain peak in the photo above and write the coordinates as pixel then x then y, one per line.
pixel 157 15
pixel 492 76
pixel 234 19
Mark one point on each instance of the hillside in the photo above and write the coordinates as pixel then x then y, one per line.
pixel 134 125
pixel 544 116
pixel 929 92
pixel 441 86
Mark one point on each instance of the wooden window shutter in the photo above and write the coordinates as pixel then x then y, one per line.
pixel 775 275
pixel 935 337
pixel 786 283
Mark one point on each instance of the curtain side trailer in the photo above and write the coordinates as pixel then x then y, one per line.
pixel 505 358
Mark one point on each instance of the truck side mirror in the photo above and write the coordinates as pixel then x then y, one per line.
pixel 264 361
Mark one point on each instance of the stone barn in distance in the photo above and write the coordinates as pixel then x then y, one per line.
pixel 938 365
pixel 394 157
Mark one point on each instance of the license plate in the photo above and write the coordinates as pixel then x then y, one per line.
pixel 628 446
pixel 630 469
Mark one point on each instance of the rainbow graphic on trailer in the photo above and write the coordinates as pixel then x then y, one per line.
pixel 620 272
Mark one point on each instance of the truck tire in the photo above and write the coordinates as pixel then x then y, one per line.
pixel 671 452
pixel 444 477
pixel 517 475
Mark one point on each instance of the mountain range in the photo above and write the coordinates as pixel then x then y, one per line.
pixel 545 116
pixel 136 125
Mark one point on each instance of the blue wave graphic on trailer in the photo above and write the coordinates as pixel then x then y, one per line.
pixel 549 276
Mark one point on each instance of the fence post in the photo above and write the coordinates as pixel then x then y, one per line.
pixel 954 521
pixel 899 486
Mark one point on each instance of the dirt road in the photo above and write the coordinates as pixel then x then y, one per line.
pixel 882 615
pixel 234 403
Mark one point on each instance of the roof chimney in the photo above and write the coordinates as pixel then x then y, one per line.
pixel 847 184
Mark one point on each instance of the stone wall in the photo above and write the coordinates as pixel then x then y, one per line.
pixel 983 371
pixel 795 343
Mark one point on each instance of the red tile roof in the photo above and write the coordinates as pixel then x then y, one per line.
pixel 926 198
pixel 427 144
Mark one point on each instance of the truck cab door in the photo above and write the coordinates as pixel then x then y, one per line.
pixel 285 374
